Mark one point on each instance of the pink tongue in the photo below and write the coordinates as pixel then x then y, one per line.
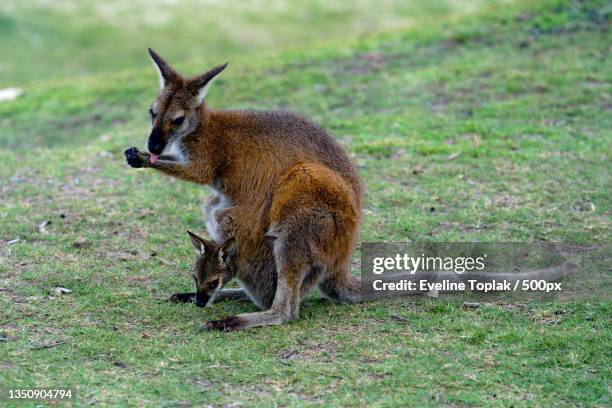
pixel 154 158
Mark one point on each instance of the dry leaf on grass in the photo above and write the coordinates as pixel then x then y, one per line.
pixel 454 156
pixel 42 227
pixel 81 242
pixel 61 291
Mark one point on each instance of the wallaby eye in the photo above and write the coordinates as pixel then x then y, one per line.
pixel 178 121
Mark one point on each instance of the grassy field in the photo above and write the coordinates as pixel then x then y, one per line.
pixel 41 40
pixel 487 122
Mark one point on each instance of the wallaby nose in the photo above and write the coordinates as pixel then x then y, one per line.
pixel 156 142
pixel 157 148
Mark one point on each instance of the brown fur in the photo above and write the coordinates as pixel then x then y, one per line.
pixel 296 196
pixel 284 189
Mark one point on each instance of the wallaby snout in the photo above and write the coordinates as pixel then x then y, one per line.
pixel 157 144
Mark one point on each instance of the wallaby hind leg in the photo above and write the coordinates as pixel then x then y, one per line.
pixel 292 267
pixel 285 308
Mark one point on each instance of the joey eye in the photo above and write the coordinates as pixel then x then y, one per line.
pixel 178 121
pixel 212 285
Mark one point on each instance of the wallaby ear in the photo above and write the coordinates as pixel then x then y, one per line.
pixel 165 71
pixel 199 243
pixel 201 83
pixel 227 250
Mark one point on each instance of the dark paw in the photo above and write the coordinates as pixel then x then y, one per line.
pixel 182 298
pixel 229 324
pixel 133 158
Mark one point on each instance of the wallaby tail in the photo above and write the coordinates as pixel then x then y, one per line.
pixel 551 274
pixel 350 289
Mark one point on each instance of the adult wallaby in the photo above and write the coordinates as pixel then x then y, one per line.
pixel 295 192
pixel 285 191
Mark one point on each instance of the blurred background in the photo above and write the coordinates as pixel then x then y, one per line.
pixel 46 39
pixel 469 121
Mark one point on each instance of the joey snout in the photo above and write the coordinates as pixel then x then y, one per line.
pixel 201 300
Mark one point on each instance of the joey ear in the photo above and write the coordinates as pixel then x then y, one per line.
pixel 199 243
pixel 165 71
pixel 200 84
pixel 227 250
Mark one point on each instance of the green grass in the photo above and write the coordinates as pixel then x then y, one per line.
pixel 40 40
pixel 496 117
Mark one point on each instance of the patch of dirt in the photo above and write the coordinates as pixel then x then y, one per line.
pixel 548 317
pixel 247 395
pixel 310 350
pixel 16 182
pixel 17 298
pixel 87 183
pixel 77 122
pixel 473 94
pixel 456 226
pixel 360 64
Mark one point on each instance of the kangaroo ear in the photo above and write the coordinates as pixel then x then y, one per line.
pixel 201 83
pixel 199 243
pixel 165 71
pixel 227 250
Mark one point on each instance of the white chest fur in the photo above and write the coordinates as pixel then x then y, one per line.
pixel 211 220
pixel 175 149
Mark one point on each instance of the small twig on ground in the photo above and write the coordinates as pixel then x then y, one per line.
pixel 473 305
pixel 163 261
pixel 46 346
pixel 400 318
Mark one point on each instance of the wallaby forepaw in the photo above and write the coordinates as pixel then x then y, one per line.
pixel 133 158
pixel 228 324
pixel 181 298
